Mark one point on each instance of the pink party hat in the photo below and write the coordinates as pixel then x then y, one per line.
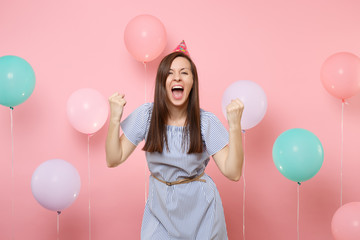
pixel 182 48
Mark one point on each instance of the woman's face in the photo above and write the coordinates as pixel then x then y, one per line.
pixel 179 82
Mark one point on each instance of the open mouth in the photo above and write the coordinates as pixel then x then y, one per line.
pixel 177 92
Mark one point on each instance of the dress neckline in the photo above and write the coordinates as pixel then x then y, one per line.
pixel 176 128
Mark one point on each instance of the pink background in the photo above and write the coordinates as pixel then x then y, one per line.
pixel 279 44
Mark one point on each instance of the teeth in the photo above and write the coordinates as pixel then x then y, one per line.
pixel 177 88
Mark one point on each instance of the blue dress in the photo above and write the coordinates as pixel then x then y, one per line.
pixel 190 211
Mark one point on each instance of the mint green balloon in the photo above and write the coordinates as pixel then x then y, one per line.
pixel 298 154
pixel 17 80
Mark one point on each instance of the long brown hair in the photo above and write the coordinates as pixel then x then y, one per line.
pixel 157 131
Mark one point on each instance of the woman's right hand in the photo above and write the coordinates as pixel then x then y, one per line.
pixel 117 103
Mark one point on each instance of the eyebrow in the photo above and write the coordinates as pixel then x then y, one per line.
pixel 180 69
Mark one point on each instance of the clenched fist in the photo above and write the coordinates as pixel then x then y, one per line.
pixel 117 103
pixel 234 112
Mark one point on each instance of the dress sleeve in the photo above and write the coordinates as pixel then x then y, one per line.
pixel 136 124
pixel 214 134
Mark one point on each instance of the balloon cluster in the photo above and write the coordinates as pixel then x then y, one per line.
pixel 55 183
pixel 297 153
pixel 340 76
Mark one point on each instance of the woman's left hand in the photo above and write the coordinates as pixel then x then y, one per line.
pixel 234 113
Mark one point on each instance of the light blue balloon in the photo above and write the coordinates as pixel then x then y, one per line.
pixel 298 154
pixel 17 80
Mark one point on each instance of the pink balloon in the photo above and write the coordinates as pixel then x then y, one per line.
pixel 340 75
pixel 55 184
pixel 252 96
pixel 345 224
pixel 87 110
pixel 145 38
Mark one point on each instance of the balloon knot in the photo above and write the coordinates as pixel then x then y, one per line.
pixel 344 101
pixel 243 130
pixel 11 108
pixel 299 183
pixel 58 212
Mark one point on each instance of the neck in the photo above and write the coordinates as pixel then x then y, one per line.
pixel 177 115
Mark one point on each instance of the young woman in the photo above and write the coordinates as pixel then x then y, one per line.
pixel 183 201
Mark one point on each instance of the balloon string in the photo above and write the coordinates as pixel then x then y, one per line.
pixel 12 174
pixel 342 152
pixel 244 190
pixel 145 81
pixel 145 167
pixel 89 177
pixel 58 224
pixel 298 210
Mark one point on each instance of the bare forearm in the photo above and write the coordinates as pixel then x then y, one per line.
pixel 230 158
pixel 234 161
pixel 117 148
pixel 113 146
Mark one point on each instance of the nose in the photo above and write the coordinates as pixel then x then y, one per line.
pixel 176 77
